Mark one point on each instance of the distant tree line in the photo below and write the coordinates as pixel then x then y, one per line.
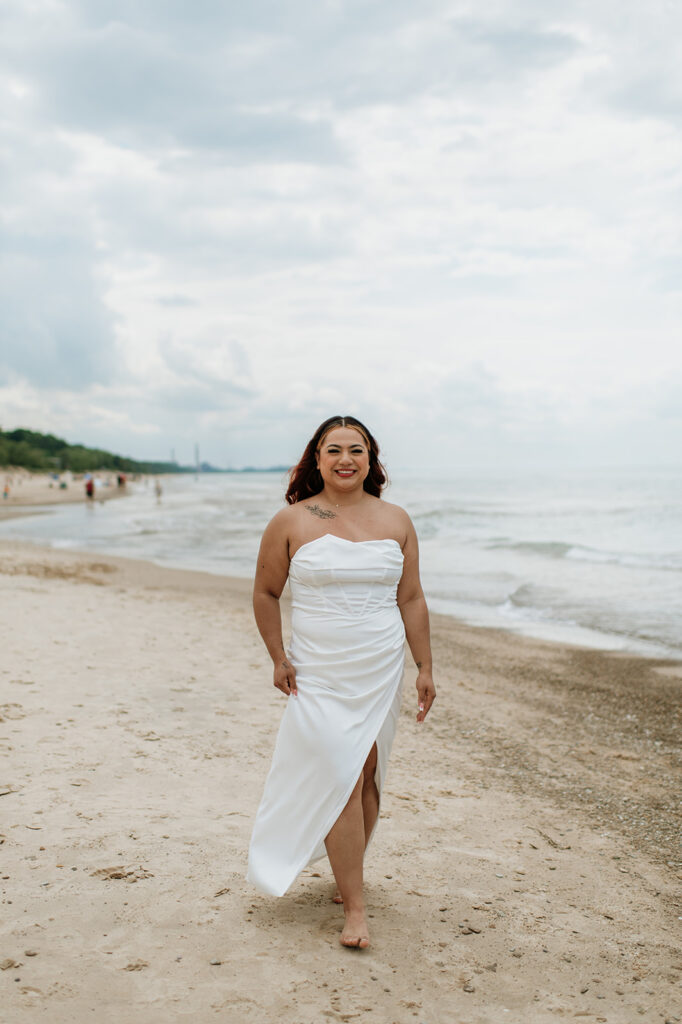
pixel 32 450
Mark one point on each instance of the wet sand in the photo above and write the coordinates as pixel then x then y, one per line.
pixel 525 867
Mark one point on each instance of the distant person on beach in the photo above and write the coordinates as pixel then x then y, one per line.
pixel 5 490
pixel 353 568
pixel 89 488
pixel 158 491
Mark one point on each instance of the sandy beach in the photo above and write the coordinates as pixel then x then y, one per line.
pixel 525 868
pixel 28 490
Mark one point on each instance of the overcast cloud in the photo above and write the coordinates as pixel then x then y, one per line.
pixel 223 222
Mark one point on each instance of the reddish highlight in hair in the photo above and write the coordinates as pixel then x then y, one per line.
pixel 305 479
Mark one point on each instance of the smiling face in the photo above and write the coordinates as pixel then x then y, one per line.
pixel 343 458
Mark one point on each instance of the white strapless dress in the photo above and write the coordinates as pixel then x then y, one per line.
pixel 348 649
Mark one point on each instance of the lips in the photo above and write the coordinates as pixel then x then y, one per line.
pixel 345 472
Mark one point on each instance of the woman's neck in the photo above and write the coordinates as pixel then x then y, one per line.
pixel 342 499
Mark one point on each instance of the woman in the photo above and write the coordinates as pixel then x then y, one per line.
pixel 353 566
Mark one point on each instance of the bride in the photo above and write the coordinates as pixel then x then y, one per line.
pixel 353 567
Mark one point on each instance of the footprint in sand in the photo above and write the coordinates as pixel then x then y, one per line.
pixel 11 711
pixel 119 871
pixel 136 965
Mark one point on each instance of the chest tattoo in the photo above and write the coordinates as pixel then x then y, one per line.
pixel 321 513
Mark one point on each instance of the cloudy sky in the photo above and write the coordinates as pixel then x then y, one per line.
pixel 222 222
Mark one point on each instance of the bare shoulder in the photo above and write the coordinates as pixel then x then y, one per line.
pixel 281 523
pixel 396 512
pixel 292 524
pixel 300 512
pixel 396 520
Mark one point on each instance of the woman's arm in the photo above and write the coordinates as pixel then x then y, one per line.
pixel 415 615
pixel 271 575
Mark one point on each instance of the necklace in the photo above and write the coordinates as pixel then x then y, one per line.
pixel 337 504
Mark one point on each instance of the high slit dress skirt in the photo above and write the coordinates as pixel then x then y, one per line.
pixel 348 649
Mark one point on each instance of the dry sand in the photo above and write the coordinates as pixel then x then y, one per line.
pixel 525 867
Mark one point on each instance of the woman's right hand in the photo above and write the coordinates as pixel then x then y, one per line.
pixel 284 677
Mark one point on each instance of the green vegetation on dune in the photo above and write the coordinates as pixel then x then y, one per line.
pixel 32 450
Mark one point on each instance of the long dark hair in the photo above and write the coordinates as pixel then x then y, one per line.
pixel 305 478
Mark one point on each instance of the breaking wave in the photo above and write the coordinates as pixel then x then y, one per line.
pixel 581 553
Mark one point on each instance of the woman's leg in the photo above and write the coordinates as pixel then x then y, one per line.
pixel 346 849
pixel 370 803
pixel 370 794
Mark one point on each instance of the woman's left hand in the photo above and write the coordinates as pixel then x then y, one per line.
pixel 426 692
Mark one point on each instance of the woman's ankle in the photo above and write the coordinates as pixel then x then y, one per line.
pixel 353 905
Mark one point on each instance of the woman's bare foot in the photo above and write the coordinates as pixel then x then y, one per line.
pixel 337 897
pixel 355 931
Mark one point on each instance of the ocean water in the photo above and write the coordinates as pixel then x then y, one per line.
pixel 593 558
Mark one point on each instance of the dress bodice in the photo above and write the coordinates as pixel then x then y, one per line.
pixel 331 575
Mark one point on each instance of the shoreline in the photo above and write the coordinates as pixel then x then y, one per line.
pixel 547 632
pixel 30 489
pixel 523 868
